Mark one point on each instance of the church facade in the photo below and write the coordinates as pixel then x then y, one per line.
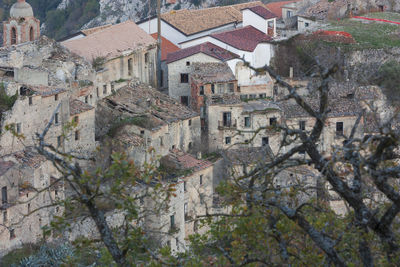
pixel 22 26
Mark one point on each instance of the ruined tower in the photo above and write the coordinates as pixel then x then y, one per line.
pixel 22 26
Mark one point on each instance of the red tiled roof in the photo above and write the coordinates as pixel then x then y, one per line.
pixel 166 46
pixel 262 12
pixel 206 48
pixel 276 7
pixel 187 161
pixel 246 38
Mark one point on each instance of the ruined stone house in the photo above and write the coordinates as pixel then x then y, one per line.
pixel 148 123
pixel 232 123
pixel 24 208
pixel 118 53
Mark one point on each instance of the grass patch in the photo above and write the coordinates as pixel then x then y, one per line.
pixel 384 15
pixel 140 121
pixel 370 35
pixel 6 102
pixel 16 255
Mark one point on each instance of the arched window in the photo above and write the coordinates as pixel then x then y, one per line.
pixel 31 34
pixel 13 36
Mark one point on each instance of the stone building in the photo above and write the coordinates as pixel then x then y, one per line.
pixel 147 122
pixel 210 79
pixel 25 208
pixel 180 67
pixel 339 124
pixel 22 26
pixel 233 123
pixel 118 53
pixel 195 178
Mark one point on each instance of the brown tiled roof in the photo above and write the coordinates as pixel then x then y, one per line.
pixel 130 139
pixel 194 21
pixel 5 166
pixel 207 48
pixel 276 7
pixel 146 106
pixel 212 72
pixel 185 161
pixel 110 42
pixel 29 158
pixel 45 91
pixel 341 107
pixel 166 46
pixel 262 12
pixel 247 155
pixel 246 38
pixel 77 107
pixel 226 99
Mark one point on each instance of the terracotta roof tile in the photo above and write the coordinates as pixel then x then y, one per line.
pixel 76 107
pixel 262 12
pixel 276 7
pixel 110 42
pixel 206 48
pixel 166 46
pixel 193 21
pixel 186 161
pixel 246 38
pixel 95 29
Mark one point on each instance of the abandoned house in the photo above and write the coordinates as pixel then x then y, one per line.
pixel 22 175
pixel 127 56
pixel 161 122
pixel 180 67
pixel 231 123
pixel 210 79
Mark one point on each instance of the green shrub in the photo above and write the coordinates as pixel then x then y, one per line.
pixel 6 101
pixel 388 77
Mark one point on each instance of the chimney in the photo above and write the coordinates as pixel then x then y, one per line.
pixel 291 73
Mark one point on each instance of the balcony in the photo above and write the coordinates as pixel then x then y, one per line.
pixel 227 125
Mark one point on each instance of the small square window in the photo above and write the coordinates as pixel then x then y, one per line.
pixel 272 121
pixel 190 122
pixel 228 140
pixel 184 186
pixel 213 88
pixel 56 97
pixel 76 119
pixel 30 101
pixel 190 145
pixel 201 179
pixel 146 58
pixel 141 132
pixel 59 141
pixel 172 220
pixel 187 63
pixel 184 78
pixel 86 99
pixel 104 89
pixel 76 135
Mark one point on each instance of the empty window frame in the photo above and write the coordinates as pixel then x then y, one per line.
pixel 339 128
pixel 247 122
pixel 184 78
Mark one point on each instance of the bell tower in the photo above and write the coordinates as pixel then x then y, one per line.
pixel 22 26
